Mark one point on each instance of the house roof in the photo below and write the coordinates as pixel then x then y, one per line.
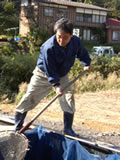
pixel 112 22
pixel 75 4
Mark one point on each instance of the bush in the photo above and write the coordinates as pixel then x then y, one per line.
pixel 106 65
pixel 95 82
pixel 10 48
pixel 105 74
pixel 9 8
pixel 116 48
pixel 16 70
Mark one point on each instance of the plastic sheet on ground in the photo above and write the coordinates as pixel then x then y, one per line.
pixel 45 145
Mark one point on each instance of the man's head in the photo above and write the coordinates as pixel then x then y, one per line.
pixel 64 30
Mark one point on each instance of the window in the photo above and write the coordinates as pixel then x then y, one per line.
pixel 106 52
pixel 86 34
pixel 95 19
pixel 48 11
pixel 83 18
pixel 62 13
pixel 102 19
pixel 87 18
pixel 116 35
pixel 79 17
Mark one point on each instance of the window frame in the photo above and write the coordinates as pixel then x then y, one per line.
pixel 48 11
pixel 116 34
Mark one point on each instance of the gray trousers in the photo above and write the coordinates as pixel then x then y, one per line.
pixel 39 87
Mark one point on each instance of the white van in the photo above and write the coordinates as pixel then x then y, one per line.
pixel 103 50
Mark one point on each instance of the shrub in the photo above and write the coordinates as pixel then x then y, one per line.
pixel 95 82
pixel 106 65
pixel 16 70
pixel 116 48
pixel 105 74
pixel 9 48
pixel 9 8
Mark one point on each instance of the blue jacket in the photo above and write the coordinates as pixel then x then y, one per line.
pixel 56 61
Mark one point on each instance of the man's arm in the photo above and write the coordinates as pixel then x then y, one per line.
pixel 50 70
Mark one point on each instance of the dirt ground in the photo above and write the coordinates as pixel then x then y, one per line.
pixel 97 115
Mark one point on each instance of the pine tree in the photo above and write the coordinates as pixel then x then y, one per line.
pixel 9 17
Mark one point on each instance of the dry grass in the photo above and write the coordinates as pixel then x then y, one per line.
pixel 95 82
pixel 98 110
pixel 88 83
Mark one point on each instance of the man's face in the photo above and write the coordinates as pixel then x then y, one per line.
pixel 63 38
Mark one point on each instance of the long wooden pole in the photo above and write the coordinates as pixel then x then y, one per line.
pixel 46 106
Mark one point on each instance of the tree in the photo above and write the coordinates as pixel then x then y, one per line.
pixel 114 6
pixel 98 3
pixel 8 16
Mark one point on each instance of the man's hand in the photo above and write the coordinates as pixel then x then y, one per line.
pixel 58 90
pixel 87 68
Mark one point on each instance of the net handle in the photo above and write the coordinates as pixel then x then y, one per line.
pixel 46 106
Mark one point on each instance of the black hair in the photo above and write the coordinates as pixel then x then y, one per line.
pixel 64 24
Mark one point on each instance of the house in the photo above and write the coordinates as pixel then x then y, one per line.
pixel 113 30
pixel 86 18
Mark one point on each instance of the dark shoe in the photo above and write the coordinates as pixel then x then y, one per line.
pixel 68 120
pixel 19 120
pixel 70 132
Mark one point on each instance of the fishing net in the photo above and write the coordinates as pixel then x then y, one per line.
pixel 13 146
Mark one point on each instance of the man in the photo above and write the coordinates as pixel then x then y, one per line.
pixel 57 56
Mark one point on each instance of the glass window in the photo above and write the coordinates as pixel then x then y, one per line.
pixel 84 18
pixel 95 19
pixel 48 11
pixel 87 18
pixel 90 18
pixel 79 17
pixel 62 13
pixel 102 19
pixel 106 51
pixel 86 34
pixel 116 35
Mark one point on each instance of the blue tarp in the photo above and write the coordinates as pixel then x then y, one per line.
pixel 45 145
